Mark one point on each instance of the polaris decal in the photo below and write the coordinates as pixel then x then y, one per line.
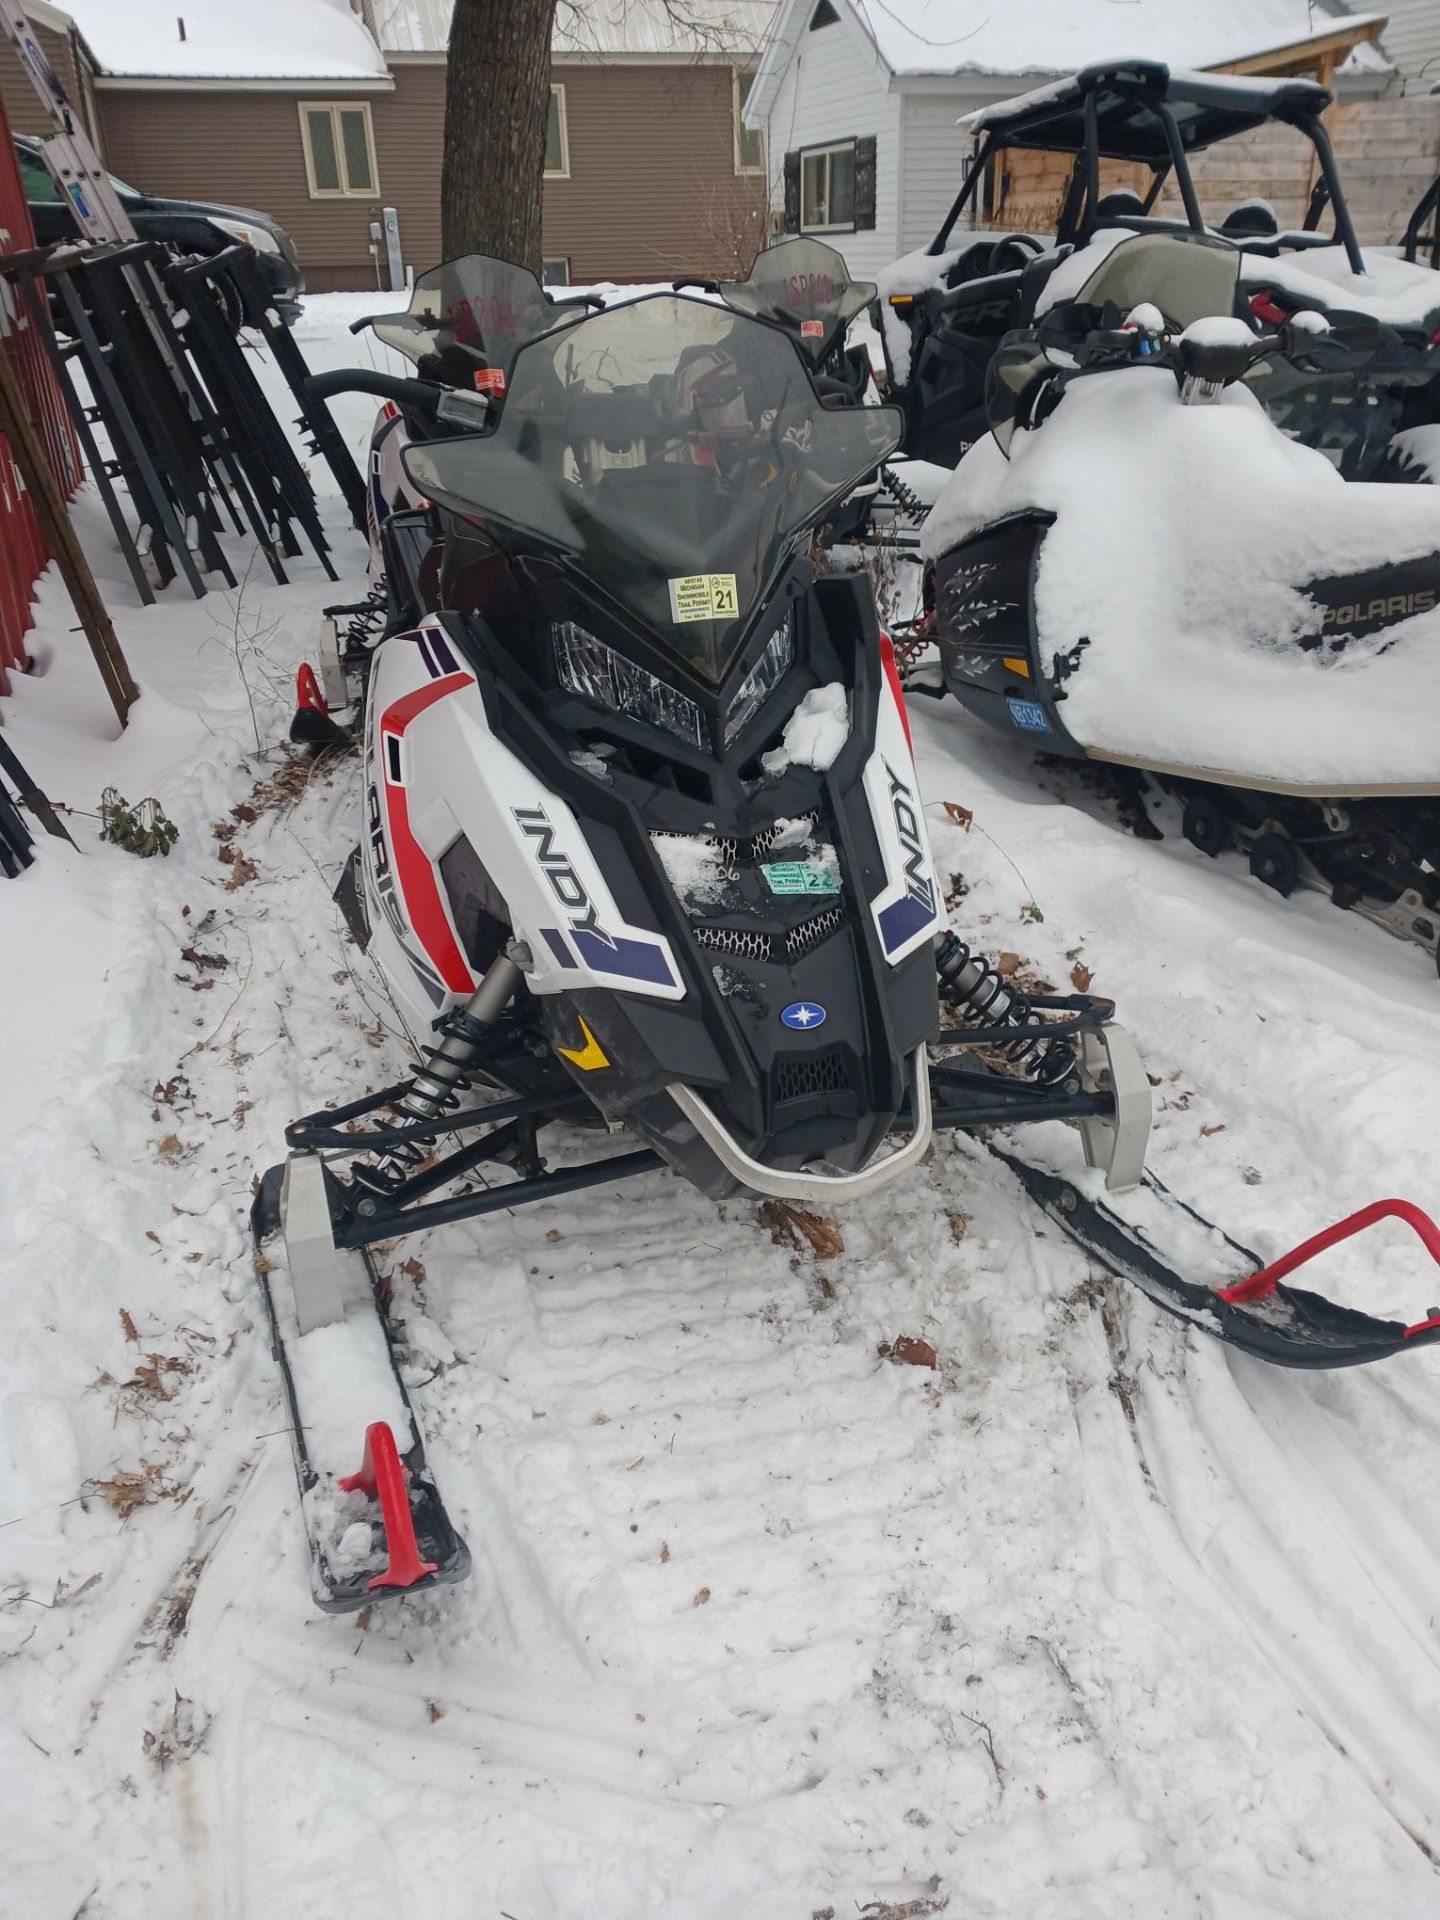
pixel 601 951
pixel 1028 716
pixel 1383 610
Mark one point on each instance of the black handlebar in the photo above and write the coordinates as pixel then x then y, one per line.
pixel 705 286
pixel 423 396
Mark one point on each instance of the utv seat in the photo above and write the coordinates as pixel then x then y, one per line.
pixel 1250 220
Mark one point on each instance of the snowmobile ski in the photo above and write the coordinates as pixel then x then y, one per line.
pixel 374 1518
pixel 1253 1310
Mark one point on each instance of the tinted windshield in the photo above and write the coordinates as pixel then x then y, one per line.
pixel 670 450
pixel 1185 275
pixel 804 287
pixel 472 313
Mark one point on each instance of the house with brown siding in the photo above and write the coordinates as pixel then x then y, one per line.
pixel 324 117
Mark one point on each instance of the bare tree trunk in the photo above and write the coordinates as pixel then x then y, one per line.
pixel 497 100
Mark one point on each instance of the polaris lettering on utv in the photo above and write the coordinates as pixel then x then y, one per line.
pixel 643 852
pixel 946 310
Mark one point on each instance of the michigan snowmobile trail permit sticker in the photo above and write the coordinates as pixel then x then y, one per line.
pixel 801 876
pixel 703 596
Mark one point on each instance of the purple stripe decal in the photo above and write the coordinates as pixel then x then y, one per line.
pixel 558 947
pixel 448 662
pixel 623 959
pixel 902 921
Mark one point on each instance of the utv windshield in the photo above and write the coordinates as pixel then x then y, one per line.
pixel 472 314
pixel 671 451
pixel 1186 275
pixel 804 287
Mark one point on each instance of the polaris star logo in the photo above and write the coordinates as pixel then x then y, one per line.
pixel 558 869
pixel 803 1015
pixel 918 886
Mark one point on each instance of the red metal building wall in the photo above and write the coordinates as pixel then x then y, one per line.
pixel 23 554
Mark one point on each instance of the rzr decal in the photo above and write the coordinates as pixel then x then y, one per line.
pixel 601 951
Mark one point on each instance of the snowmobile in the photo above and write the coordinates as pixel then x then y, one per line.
pixel 643 849
pixel 946 309
pixel 1137 568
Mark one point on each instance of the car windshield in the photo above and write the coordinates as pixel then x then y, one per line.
pixel 804 287
pixel 471 314
pixel 669 450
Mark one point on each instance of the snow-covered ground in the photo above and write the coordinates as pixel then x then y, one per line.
pixel 1093 1620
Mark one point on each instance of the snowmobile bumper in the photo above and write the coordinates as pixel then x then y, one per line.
pixel 1286 1326
pixel 375 1520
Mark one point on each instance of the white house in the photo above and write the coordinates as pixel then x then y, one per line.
pixel 859 98
pixel 1412 40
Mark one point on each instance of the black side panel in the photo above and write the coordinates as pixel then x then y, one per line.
pixel 985 628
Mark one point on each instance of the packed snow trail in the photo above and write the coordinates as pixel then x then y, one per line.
pixel 1095 1619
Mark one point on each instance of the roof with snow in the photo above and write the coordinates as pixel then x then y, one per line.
pixel 603 28
pixel 228 39
pixel 1007 38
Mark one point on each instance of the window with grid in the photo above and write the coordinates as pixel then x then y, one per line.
pixel 749 141
pixel 827 189
pixel 339 149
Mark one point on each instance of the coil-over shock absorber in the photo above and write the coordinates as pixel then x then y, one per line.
pixel 445 1073
pixel 970 985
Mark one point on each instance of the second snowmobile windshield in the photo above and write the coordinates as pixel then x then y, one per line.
pixel 474 312
pixel 670 451
pixel 804 287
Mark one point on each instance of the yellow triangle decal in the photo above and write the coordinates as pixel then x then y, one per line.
pixel 589 1057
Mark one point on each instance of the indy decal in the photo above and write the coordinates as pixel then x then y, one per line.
pixel 915 910
pixel 601 951
pixel 907 911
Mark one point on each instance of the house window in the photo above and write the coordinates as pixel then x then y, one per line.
pixel 557 138
pixel 823 16
pixel 827 189
pixel 556 273
pixel 339 150
pixel 749 141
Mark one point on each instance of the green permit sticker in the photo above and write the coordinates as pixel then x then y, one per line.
pixel 801 876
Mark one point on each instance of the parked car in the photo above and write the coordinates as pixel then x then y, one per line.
pixel 194 226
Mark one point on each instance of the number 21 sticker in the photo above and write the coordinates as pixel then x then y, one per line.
pixel 704 596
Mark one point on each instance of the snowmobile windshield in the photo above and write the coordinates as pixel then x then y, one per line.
pixel 470 315
pixel 672 453
pixel 803 287
pixel 1188 276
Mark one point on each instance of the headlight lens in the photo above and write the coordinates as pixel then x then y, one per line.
pixel 607 679
pixel 260 238
pixel 762 679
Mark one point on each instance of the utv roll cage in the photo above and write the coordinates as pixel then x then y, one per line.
pixel 1421 240
pixel 1141 111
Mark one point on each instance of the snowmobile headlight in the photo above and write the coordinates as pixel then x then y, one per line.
pixel 762 679
pixel 607 679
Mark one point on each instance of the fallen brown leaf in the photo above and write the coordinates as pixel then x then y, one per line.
pixel 910 1351
pixel 434 1711
pixel 1007 963
pixel 959 1224
pixel 1219 1127
pixel 789 1225
pixel 1080 976
pixel 962 816
pixel 702 1597
pixel 664 1551
pixel 128 1324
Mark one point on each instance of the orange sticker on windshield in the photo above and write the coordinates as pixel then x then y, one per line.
pixel 703 596
pixel 812 329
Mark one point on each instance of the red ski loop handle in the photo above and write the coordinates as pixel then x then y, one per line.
pixel 308 696
pixel 1263 1283
pixel 382 1476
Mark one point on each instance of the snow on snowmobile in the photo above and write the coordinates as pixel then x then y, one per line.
pixel 642 845
pixel 945 310
pixel 1136 567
